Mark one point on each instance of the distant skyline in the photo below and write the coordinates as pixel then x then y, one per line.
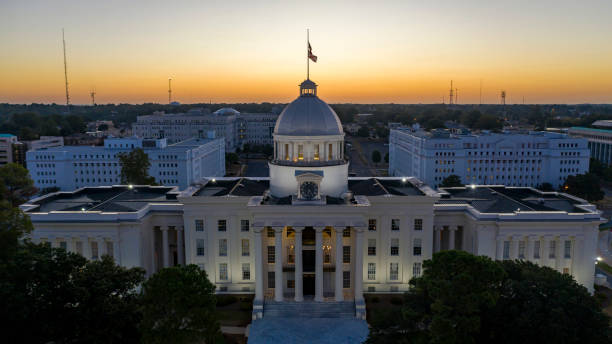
pixel 255 51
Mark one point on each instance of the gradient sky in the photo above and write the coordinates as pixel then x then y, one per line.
pixel 254 51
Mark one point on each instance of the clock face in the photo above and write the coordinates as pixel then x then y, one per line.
pixel 309 190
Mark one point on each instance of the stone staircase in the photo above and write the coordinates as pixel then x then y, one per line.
pixel 309 309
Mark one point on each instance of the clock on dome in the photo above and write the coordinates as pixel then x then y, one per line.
pixel 309 190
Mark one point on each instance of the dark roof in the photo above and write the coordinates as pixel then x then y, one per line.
pixel 380 187
pixel 500 199
pixel 234 187
pixel 108 199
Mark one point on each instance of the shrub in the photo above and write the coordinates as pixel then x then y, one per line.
pixel 224 300
pixel 396 300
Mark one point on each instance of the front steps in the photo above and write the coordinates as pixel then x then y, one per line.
pixel 309 309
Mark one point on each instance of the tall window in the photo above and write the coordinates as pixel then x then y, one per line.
pixel 223 271
pixel 393 271
pixel 300 152
pixel 346 279
pixel 245 248
pixel 521 249
pixel 346 254
pixel 222 225
pixel 395 224
pixel 418 224
pixel 395 247
pixel 271 279
pixel 222 247
pixel 286 151
pixel 346 233
pixel 416 247
pixel 567 249
pixel 552 249
pixel 270 232
pixel 271 254
pixel 506 250
pixel 329 152
pixel 290 255
pixel 244 225
pixel 94 250
pixel 79 247
pixel 371 247
pixel 110 249
pixel 536 249
pixel 371 271
pixel 199 225
pixel 372 224
pixel 246 271
pixel 316 152
pixel 200 247
pixel 416 270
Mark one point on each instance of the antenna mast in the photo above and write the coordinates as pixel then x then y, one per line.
pixel 450 96
pixel 480 94
pixel 169 90
pixel 93 97
pixel 456 96
pixel 65 71
pixel 503 97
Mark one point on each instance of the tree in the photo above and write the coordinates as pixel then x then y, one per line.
pixel 14 224
pixel 103 127
pixel 179 307
pixel 585 186
pixel 231 158
pixel 50 295
pixel 376 157
pixel 451 181
pixel 387 157
pixel 596 167
pixel 363 131
pixel 135 168
pixel 16 186
pixel 382 132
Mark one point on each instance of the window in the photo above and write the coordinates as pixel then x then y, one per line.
pixel 346 254
pixel 371 271
pixel 371 247
pixel 300 152
pixel 566 271
pixel 329 152
pixel 271 254
pixel 536 249
pixel 395 247
pixel 346 233
pixel 286 151
pixel 290 284
pixel 271 279
pixel 316 152
pixel 199 225
pixel 346 279
pixel 372 224
pixel 416 270
pixel 552 249
pixel 270 232
pixel 393 271
pixel 418 224
pixel 246 271
pixel 416 247
pixel 222 225
pixel 395 224
pixel 110 249
pixel 521 250
pixel 223 271
pixel 567 249
pixel 94 250
pixel 244 225
pixel 245 248
pixel 222 247
pixel 200 247
pixel 506 254
pixel 79 247
pixel 63 245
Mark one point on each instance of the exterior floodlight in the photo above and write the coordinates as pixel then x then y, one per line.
pixel 473 186
pixel 214 180
pixel 130 186
pixel 403 180
pixel 599 259
pixel 82 209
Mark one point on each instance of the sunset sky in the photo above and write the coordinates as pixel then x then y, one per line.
pixel 255 51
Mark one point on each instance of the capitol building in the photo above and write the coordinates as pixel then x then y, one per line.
pixel 310 234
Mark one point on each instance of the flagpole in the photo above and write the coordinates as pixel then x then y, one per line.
pixel 307 57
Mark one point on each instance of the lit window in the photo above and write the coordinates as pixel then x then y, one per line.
pixel 316 152
pixel 371 271
pixel 372 224
pixel 393 271
pixel 300 152
pixel 223 271
pixel 245 247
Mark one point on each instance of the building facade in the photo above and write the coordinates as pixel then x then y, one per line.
pixel 488 159
pixel 600 142
pixel 236 128
pixel 309 233
pixel 7 142
pixel 73 167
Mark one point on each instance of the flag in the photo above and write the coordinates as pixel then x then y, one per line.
pixel 310 55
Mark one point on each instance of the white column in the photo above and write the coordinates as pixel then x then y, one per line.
pixel 165 248
pixel 530 242
pixel 116 253
pixel 278 264
pixel 70 247
pixel 339 265
pixel 153 249
pixel 101 248
pixel 500 248
pixel 259 278
pixel 299 272
pixel 180 248
pixel 515 247
pixel 451 238
pixel 86 247
pixel 358 264
pixel 319 264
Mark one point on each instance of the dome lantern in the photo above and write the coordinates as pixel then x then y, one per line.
pixel 308 88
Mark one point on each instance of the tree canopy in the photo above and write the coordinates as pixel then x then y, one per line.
pixel 179 306
pixel 585 186
pixel 376 156
pixel 16 186
pixel 451 181
pixel 363 131
pixel 135 168
pixel 462 298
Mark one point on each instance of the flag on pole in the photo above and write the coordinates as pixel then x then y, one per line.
pixel 310 54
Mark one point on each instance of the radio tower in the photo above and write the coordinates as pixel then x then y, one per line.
pixel 169 90
pixel 66 72
pixel 450 98
pixel 456 95
pixel 503 97
pixel 93 97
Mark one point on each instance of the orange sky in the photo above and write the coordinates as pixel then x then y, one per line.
pixel 254 51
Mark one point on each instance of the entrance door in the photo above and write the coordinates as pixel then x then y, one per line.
pixel 308 260
pixel 309 284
